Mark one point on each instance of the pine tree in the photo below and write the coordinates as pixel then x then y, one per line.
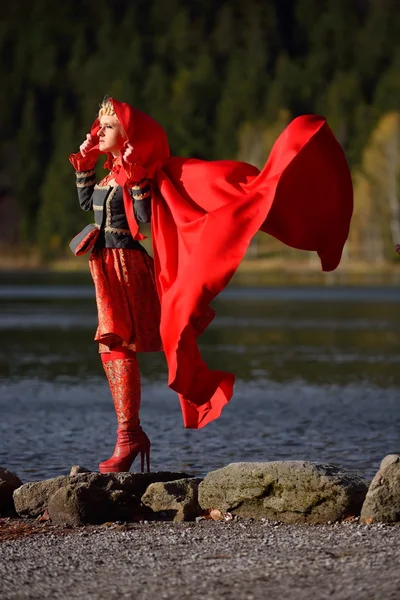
pixel 376 41
pixel 338 102
pixel 376 222
pixel 231 108
pixel 224 36
pixel 286 90
pixel 60 217
pixel 155 94
pixel 387 90
pixel 29 176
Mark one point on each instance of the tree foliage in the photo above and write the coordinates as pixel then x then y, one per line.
pixel 221 77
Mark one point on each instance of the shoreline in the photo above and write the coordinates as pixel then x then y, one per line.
pixel 261 271
pixel 207 560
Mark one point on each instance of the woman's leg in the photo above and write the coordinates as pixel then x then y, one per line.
pixel 122 370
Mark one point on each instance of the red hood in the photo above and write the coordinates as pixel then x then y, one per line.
pixel 147 137
pixel 150 152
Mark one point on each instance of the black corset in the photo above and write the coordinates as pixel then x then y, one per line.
pixel 109 215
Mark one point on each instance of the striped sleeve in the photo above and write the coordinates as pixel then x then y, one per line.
pixel 141 196
pixel 85 182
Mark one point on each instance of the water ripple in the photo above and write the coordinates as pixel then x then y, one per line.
pixel 64 423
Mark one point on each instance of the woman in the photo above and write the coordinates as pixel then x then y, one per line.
pixel 203 217
pixel 123 275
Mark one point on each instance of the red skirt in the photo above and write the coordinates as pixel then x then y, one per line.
pixel 127 301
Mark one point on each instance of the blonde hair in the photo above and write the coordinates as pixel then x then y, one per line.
pixel 106 108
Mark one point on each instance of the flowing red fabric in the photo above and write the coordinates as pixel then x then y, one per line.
pixel 204 216
pixel 203 221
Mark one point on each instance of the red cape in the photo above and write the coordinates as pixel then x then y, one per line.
pixel 204 216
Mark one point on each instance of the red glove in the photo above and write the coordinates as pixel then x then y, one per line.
pixel 86 158
pixel 128 153
pixel 87 145
pixel 134 169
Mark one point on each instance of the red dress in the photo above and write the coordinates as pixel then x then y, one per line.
pixel 127 302
pixel 123 273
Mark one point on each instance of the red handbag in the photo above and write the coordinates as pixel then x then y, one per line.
pixel 85 240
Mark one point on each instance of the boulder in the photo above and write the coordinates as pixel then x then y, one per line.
pixel 287 491
pixel 382 503
pixel 174 500
pixel 137 483
pixel 87 497
pixel 87 503
pixel 31 499
pixel 8 483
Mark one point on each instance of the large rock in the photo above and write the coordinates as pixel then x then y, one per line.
pixel 382 503
pixel 174 500
pixel 88 503
pixel 290 492
pixel 87 497
pixel 8 483
pixel 137 483
pixel 31 499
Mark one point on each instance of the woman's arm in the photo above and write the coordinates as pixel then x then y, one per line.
pixel 141 196
pixel 85 182
pixel 84 163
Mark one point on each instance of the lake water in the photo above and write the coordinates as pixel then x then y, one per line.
pixel 318 378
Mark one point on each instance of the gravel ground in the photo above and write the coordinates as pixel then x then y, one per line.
pixel 206 560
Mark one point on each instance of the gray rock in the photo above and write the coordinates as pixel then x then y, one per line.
pixel 119 493
pixel 31 499
pixel 87 503
pixel 124 506
pixel 137 483
pixel 290 492
pixel 8 483
pixel 174 500
pixel 78 504
pixel 77 469
pixel 382 503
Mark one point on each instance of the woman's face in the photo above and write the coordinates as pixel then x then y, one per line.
pixel 111 135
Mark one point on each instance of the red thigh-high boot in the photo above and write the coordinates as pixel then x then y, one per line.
pixel 122 370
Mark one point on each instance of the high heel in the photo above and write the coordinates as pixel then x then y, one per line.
pixel 124 380
pixel 129 445
pixel 145 453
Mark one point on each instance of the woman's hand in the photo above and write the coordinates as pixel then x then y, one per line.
pixel 86 158
pixel 87 145
pixel 127 154
pixel 133 168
